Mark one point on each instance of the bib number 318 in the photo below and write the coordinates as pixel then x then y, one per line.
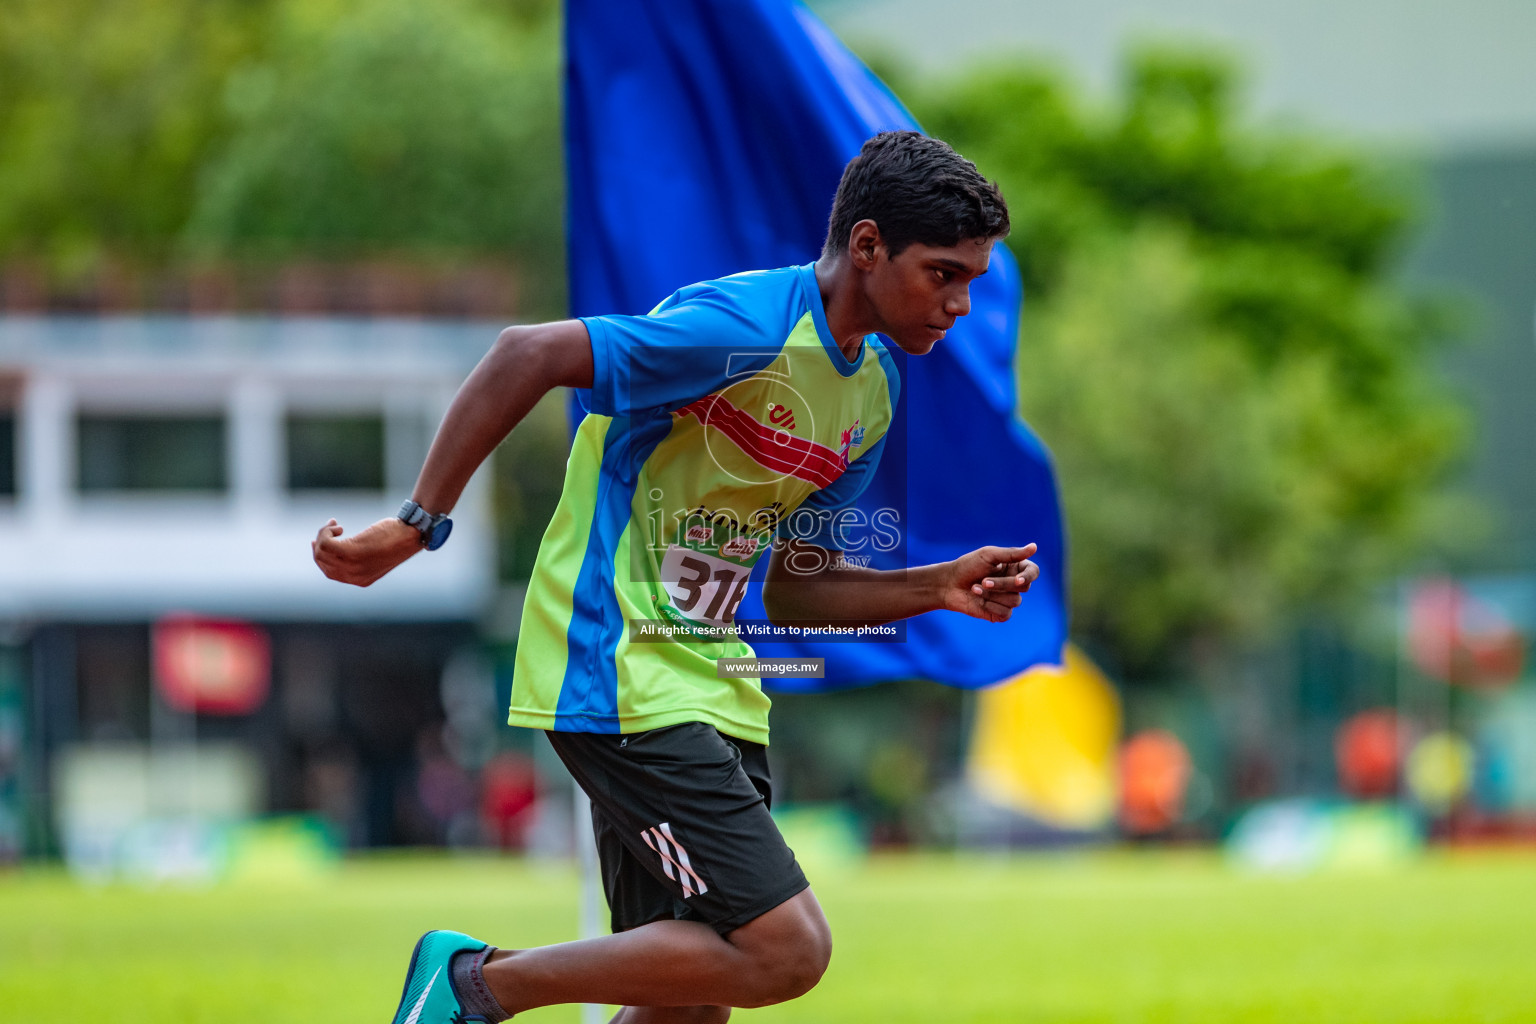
pixel 702 587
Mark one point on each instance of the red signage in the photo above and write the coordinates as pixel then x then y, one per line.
pixel 212 666
pixel 1455 636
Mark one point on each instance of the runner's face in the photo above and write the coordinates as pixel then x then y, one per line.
pixel 922 292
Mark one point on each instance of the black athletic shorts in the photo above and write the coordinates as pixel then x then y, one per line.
pixel 682 825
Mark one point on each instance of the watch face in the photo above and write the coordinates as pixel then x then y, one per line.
pixel 439 534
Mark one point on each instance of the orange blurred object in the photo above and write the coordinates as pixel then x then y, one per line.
pixel 1368 749
pixel 1154 775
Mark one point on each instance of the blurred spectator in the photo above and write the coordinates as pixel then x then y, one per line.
pixel 1155 770
pixel 446 790
pixel 508 793
pixel 1439 771
pixel 1369 754
pixel 331 788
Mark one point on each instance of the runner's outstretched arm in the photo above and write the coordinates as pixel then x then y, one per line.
pixel 811 586
pixel 522 366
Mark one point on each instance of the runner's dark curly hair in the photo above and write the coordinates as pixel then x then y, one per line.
pixel 917 189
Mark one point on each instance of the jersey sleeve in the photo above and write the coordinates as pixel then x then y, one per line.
pixel 687 347
pixel 815 521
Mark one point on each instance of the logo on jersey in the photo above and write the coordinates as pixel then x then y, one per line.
pixel 741 547
pixel 700 534
pixel 781 416
pixel 852 438
pixel 766 519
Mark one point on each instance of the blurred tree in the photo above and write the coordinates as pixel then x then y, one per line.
pixel 107 108
pixel 529 475
pixel 146 133
pixel 1236 391
pixel 381 128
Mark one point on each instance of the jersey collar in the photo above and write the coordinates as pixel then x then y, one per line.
pixel 819 315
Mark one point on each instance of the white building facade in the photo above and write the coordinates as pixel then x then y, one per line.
pixel 158 466
pixel 173 464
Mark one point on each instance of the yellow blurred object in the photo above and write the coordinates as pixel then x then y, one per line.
pixel 1044 744
pixel 1440 771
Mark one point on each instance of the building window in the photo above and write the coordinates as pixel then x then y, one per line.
pixel 7 454
pixel 152 453
pixel 335 453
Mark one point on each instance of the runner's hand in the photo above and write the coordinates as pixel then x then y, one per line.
pixel 990 582
pixel 366 555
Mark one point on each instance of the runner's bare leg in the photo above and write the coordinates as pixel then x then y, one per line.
pixel 778 956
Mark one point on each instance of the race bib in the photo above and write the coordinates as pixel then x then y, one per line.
pixel 703 588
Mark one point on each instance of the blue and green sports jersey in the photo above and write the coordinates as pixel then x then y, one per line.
pixel 723 419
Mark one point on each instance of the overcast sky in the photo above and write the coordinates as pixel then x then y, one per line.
pixel 1436 74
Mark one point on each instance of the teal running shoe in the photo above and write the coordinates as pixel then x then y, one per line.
pixel 429 997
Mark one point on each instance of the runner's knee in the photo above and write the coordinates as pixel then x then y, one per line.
pixel 792 968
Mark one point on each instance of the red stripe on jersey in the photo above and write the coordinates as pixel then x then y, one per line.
pixel 767 446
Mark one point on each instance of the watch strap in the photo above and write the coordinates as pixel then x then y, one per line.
pixel 425 522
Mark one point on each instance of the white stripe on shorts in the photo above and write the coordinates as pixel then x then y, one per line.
pixel 667 862
pixel 678 868
pixel 682 856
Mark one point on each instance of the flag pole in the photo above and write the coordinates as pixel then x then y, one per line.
pixel 588 922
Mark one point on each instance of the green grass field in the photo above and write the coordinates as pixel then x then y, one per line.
pixel 1102 938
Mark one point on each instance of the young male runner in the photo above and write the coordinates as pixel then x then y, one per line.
pixel 741 415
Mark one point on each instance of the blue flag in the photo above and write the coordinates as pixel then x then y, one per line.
pixel 706 137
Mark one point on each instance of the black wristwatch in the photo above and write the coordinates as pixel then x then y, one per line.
pixel 434 529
